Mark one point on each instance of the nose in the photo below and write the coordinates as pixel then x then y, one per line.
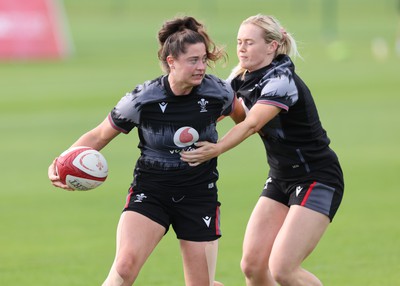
pixel 202 65
pixel 241 47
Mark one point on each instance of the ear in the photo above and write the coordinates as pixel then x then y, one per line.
pixel 274 46
pixel 170 61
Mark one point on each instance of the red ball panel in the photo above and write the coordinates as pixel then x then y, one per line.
pixel 82 168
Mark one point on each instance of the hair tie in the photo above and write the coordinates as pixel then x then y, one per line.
pixel 283 32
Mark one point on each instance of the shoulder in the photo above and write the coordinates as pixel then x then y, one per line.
pixel 280 75
pixel 133 101
pixel 281 67
pixel 148 91
pixel 215 86
pixel 278 84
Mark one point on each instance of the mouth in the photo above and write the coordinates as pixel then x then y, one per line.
pixel 198 76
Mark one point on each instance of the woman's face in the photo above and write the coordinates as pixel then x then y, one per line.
pixel 189 68
pixel 252 50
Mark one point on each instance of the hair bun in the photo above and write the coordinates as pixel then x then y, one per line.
pixel 178 25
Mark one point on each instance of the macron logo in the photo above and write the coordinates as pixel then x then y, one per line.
pixel 207 220
pixel 298 190
pixel 163 106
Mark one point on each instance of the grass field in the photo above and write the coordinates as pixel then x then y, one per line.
pixel 52 237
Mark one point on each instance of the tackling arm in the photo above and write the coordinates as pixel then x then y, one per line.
pixel 257 117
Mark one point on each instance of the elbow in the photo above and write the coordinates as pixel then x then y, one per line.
pixel 254 130
pixel 253 126
pixel 249 127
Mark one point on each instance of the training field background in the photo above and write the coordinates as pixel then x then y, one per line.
pixel 52 237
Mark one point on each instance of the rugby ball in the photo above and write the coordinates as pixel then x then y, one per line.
pixel 82 168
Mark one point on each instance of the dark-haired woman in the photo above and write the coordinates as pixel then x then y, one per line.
pixel 171 113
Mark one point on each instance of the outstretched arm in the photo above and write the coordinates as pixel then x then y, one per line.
pixel 257 117
pixel 96 138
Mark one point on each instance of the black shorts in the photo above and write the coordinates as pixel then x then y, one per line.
pixel 194 214
pixel 321 191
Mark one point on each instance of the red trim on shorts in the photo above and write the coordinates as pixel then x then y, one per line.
pixel 303 202
pixel 217 222
pixel 128 197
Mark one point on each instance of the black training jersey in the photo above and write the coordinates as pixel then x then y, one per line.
pixel 168 124
pixel 295 141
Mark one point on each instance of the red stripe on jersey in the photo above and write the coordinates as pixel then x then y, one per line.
pixel 308 193
pixel 274 103
pixel 128 197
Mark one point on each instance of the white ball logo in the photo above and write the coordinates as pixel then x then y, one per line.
pixel 185 136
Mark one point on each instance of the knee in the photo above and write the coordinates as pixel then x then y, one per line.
pixel 281 273
pixel 252 266
pixel 126 270
pixel 280 277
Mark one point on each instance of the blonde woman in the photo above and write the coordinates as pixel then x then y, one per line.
pixel 305 183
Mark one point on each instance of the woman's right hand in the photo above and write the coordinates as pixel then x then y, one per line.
pixel 55 179
pixel 205 151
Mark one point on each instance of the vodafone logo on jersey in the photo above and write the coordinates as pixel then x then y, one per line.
pixel 186 136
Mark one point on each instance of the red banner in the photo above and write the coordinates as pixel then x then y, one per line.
pixel 33 29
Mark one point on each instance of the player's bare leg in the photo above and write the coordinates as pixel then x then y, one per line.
pixel 262 229
pixel 137 236
pixel 299 235
pixel 199 262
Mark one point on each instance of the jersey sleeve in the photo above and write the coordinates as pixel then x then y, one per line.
pixel 228 106
pixel 219 89
pixel 125 115
pixel 280 91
